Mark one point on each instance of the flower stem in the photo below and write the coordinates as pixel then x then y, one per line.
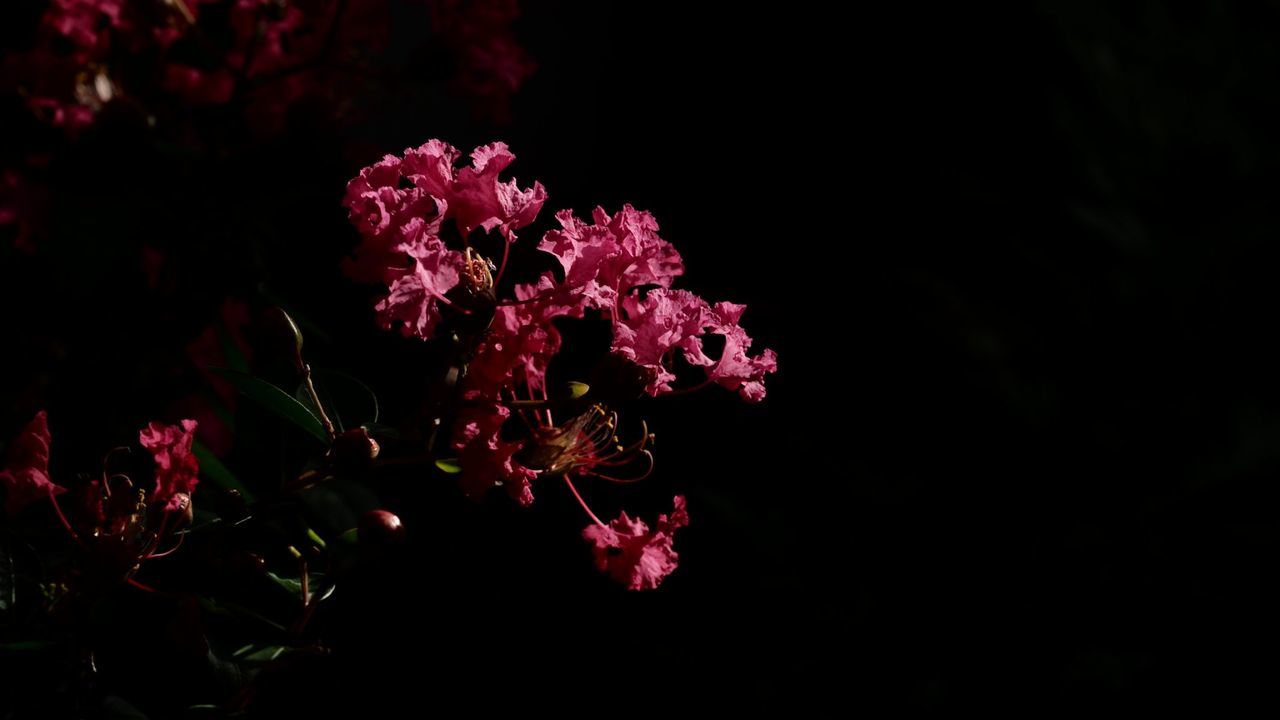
pixel 315 399
pixel 582 502
pixel 58 509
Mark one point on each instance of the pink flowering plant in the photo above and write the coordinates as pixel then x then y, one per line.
pixel 189 509
pixel 543 331
pixel 439 233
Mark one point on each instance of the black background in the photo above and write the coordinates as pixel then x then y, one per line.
pixel 1017 266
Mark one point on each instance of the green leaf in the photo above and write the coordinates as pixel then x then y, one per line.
pixel 293 585
pixel 213 469
pixel 343 396
pixel 266 654
pixel 27 646
pixel 216 607
pixel 450 466
pixel 350 536
pixel 578 389
pixel 276 400
pixel 315 538
pixel 297 334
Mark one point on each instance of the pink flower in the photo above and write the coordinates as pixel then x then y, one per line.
pixel 176 466
pixel 736 370
pixel 491 63
pixel 518 347
pixel 413 295
pixel 648 330
pixel 222 344
pixel 632 554
pixel 26 478
pixel 474 194
pixel 199 87
pixel 383 212
pixel 23 205
pixel 610 257
pixel 81 21
pixel 398 206
pixel 486 458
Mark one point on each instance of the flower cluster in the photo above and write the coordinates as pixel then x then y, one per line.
pixel 197 51
pixel 439 236
pixel 491 64
pixel 120 524
pixel 204 52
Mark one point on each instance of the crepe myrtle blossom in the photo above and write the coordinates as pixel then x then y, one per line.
pixel 26 478
pixel 619 264
pixel 121 524
pixel 86 50
pixel 648 330
pixel 402 206
pixel 631 553
pixel 176 466
pixel 425 225
pixel 491 63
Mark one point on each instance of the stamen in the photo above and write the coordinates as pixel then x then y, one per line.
pixel 625 481
pixel 171 550
pixel 476 272
pixel 506 251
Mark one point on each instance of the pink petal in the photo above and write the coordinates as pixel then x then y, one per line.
pixel 632 554
pixel 177 468
pixel 26 477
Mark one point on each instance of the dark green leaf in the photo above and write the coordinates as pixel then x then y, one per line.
pixel 266 654
pixel 297 334
pixel 294 586
pixel 450 466
pixel 216 607
pixel 213 469
pixel 276 400
pixel 347 400
pixel 26 646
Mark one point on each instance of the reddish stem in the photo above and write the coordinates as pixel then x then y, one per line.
pixel 58 509
pixel 139 585
pixel 582 502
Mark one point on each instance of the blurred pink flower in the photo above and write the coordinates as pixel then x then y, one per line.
pixel 26 478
